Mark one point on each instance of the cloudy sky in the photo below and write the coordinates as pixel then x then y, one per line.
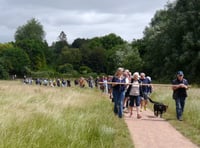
pixel 79 18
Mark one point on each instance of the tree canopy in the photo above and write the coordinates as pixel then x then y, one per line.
pixel 32 30
pixel 171 42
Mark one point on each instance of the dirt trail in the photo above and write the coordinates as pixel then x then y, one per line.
pixel 153 132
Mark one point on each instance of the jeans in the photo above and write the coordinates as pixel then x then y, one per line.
pixel 180 103
pixel 118 102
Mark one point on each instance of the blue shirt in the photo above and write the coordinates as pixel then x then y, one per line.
pixel 119 87
pixel 145 88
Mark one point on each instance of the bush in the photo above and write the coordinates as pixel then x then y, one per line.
pixel 66 68
pixel 71 74
pixel 85 70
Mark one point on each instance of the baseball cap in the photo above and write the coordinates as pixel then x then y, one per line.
pixel 180 73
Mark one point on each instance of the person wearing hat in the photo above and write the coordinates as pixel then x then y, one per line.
pixel 179 87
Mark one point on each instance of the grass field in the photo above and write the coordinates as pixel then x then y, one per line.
pixel 39 117
pixel 44 117
pixel 190 126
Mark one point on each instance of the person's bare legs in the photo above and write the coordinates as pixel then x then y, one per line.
pixel 145 104
pixel 142 104
pixel 138 112
pixel 126 109
pixel 131 111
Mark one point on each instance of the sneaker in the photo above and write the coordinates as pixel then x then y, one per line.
pixel 139 116
pixel 180 119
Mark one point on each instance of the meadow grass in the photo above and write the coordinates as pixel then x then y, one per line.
pixel 190 126
pixel 43 117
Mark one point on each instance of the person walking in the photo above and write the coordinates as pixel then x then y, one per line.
pixel 179 87
pixel 146 90
pixel 118 91
pixel 127 75
pixel 134 92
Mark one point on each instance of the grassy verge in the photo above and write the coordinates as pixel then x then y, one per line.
pixel 190 126
pixel 37 116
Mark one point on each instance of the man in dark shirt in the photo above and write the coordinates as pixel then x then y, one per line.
pixel 146 90
pixel 179 87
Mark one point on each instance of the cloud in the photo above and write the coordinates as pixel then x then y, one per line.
pixel 78 18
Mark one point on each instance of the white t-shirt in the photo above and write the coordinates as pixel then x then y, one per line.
pixel 135 89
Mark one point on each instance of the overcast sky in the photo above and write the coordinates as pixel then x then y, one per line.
pixel 79 18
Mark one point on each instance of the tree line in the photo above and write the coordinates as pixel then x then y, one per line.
pixel 171 42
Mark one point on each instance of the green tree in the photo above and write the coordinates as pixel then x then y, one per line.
pixel 72 56
pixel 128 57
pixel 62 36
pixel 33 30
pixel 111 40
pixel 188 20
pixel 95 52
pixel 97 60
pixel 172 39
pixel 85 70
pixel 111 64
pixel 4 46
pixel 66 68
pixel 30 38
pixel 15 61
pixel 78 43
pixel 36 52
pixel 3 72
pixel 58 46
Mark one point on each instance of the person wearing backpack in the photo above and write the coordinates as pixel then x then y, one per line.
pixel 179 87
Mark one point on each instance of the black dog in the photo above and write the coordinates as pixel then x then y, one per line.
pixel 159 108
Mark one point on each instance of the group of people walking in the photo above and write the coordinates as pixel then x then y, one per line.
pixel 129 90
pixel 48 82
pixel 126 90
pixel 133 90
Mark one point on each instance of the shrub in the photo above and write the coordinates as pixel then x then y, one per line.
pixel 66 68
pixel 85 70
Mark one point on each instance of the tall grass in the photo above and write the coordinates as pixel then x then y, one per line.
pixel 44 117
pixel 190 126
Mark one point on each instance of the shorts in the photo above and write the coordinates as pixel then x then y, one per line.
pixel 134 100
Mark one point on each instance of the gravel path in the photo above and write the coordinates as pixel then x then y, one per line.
pixel 155 132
